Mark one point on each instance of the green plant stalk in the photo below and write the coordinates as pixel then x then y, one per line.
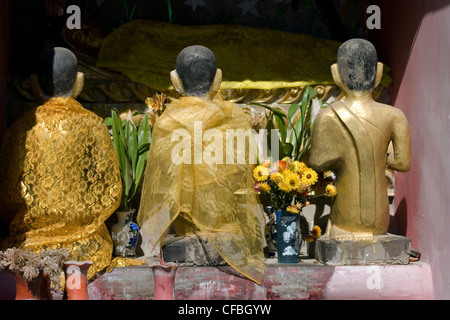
pixel 299 140
pixel 132 147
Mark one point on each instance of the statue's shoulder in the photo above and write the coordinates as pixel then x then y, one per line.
pixel 386 110
pixel 327 114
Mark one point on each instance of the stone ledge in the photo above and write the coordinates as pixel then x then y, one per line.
pixel 308 280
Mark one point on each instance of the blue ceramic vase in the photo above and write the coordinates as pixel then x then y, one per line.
pixel 125 235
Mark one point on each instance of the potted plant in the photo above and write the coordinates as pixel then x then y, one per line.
pixel 34 273
pixel 131 138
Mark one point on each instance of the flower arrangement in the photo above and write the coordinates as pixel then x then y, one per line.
pixel 48 262
pixel 290 185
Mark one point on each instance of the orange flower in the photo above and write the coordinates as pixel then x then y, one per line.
pixel 282 165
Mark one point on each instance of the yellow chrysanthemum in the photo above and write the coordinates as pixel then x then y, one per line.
pixel 264 186
pixel 287 171
pixel 293 209
pixel 261 173
pixel 309 239
pixel 292 180
pixel 300 167
pixel 284 187
pixel 316 232
pixel 310 177
pixel 277 178
pixel 331 191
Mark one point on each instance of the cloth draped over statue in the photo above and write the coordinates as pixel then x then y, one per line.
pixel 251 58
pixel 212 199
pixel 60 182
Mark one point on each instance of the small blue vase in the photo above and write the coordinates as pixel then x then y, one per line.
pixel 288 236
pixel 125 235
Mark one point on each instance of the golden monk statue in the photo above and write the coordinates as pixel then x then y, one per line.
pixel 352 139
pixel 190 184
pixel 59 172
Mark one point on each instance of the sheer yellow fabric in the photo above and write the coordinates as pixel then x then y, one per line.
pixel 60 182
pixel 250 58
pixel 211 199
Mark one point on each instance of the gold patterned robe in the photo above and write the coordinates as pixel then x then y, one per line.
pixel 60 182
pixel 212 198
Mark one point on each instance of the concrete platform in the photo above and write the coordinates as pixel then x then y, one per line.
pixel 308 280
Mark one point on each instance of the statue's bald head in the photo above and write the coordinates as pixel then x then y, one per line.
pixel 57 72
pixel 196 67
pixel 357 63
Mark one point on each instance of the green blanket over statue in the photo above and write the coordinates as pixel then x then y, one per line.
pixel 251 58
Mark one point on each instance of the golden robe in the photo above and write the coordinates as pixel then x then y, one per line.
pixel 212 198
pixel 60 182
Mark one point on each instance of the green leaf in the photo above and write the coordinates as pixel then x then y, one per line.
pixel 292 111
pixel 275 111
pixel 287 149
pixel 108 122
pixel 140 169
pixel 144 133
pixel 133 11
pixel 170 10
pixel 282 128
pixel 117 140
pixel 132 143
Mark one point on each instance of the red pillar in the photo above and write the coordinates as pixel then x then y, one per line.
pixel 4 53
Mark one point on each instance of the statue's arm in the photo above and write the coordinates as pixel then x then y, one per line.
pixel 400 160
pixel 323 154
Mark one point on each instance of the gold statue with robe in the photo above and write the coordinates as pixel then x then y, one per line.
pixel 189 184
pixel 352 138
pixel 60 175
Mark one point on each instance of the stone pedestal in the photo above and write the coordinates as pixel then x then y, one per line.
pixel 191 251
pixel 384 250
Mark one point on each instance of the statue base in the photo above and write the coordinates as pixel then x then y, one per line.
pixel 384 250
pixel 191 251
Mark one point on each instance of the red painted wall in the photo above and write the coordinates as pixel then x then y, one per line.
pixel 4 48
pixel 415 42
